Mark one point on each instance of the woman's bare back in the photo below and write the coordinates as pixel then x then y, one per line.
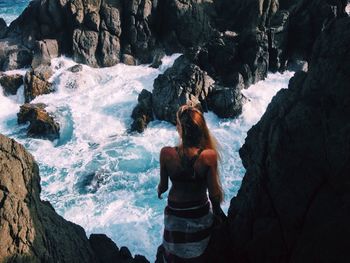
pixel 186 187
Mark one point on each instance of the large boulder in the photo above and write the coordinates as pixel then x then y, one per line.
pixel 42 124
pixel 183 83
pixel 227 102
pixel 11 83
pixel 36 82
pixel 293 204
pixel 142 113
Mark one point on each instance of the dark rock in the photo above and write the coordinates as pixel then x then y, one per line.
pixel 142 113
pixel 218 58
pixel 3 28
pixel 184 24
pixel 297 65
pixel 226 54
pixel 293 204
pixel 36 82
pixel 42 125
pixel 128 60
pixel 137 28
pixel 307 19
pixel 278 39
pixel 140 259
pixel 30 229
pixel 248 15
pixel 105 249
pixel 158 55
pixel 13 56
pixel 183 83
pixel 76 68
pixel 253 50
pixel 92 21
pixel 227 102
pixel 11 83
pixel 125 253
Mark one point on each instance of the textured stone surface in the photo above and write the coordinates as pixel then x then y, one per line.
pixel 36 82
pixel 293 205
pixel 143 112
pixel 30 229
pixel 42 125
pixel 11 83
pixel 184 83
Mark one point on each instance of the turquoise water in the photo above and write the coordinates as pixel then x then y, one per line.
pixel 11 9
pixel 99 176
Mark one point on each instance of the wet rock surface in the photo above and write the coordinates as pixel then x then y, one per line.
pixel 11 83
pixel 42 125
pixel 143 112
pixel 36 82
pixel 184 83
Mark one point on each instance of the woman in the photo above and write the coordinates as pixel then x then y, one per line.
pixel 192 169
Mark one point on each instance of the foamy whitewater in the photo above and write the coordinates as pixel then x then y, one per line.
pixel 104 179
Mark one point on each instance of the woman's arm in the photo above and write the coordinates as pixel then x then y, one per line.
pixel 163 183
pixel 214 187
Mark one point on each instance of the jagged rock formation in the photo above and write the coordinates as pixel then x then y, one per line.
pixel 31 230
pixel 36 82
pixel 11 83
pixel 142 113
pixel 184 83
pixel 42 125
pixel 107 251
pixel 293 205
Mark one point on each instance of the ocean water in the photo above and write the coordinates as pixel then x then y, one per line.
pixel 11 9
pixel 100 176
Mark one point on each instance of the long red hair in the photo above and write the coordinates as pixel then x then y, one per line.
pixel 195 133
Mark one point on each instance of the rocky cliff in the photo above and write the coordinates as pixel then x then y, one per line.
pixel 293 205
pixel 31 230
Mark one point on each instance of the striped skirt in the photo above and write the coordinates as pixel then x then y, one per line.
pixel 187 229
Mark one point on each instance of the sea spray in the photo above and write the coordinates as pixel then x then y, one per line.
pixel 100 176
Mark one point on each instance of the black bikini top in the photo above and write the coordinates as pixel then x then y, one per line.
pixel 187 173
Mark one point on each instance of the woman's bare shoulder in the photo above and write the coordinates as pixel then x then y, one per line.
pixel 166 152
pixel 209 156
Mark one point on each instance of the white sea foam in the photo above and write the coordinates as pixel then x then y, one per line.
pixel 347 9
pixel 99 176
